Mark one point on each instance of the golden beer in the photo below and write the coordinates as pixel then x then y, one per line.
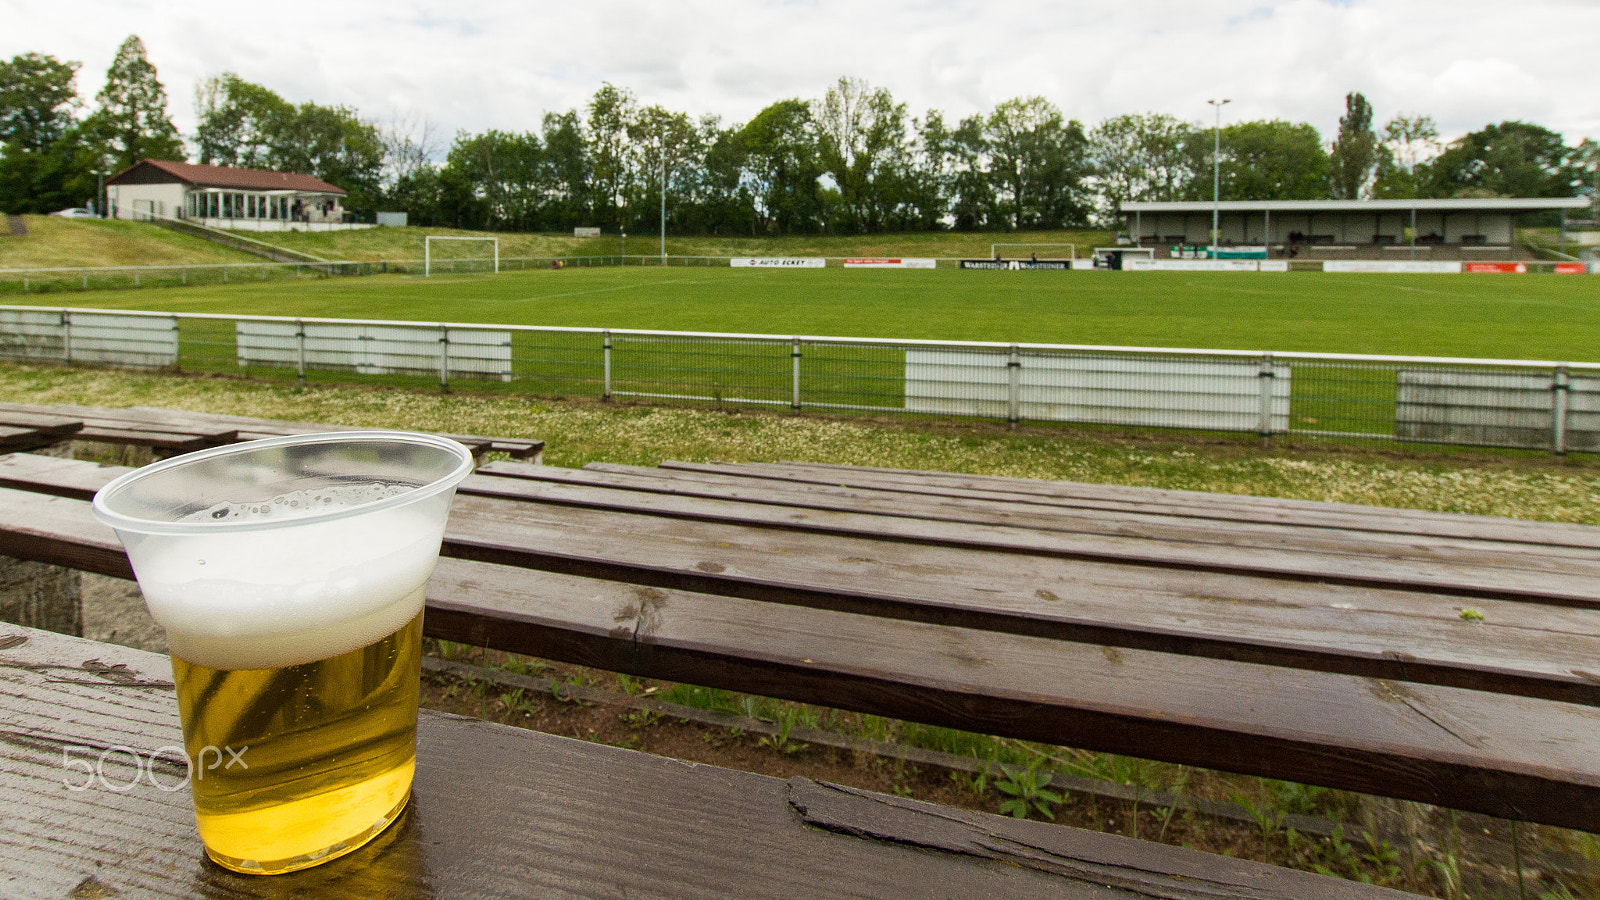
pixel 298 765
pixel 289 574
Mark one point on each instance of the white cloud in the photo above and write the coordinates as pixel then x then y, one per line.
pixel 502 64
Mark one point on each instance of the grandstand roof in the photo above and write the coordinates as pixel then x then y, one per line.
pixel 1498 204
pixel 161 170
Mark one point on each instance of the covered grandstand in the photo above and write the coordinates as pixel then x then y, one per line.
pixel 1345 229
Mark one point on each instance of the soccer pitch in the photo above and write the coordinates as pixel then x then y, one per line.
pixel 1486 316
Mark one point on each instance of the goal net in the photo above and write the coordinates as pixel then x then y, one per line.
pixel 452 255
pixel 1031 251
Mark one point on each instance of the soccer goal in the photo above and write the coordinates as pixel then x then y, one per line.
pixel 1027 251
pixel 427 250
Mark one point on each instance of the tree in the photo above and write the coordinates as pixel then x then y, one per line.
pixel 1273 160
pixel 1037 161
pixel 973 205
pixel 131 120
pixel 1409 143
pixel 567 171
pixel 611 111
pixel 1143 157
pixel 44 163
pixel 246 124
pixel 241 123
pixel 1511 159
pixel 783 167
pixel 37 96
pixel 664 145
pixel 861 142
pixel 1354 155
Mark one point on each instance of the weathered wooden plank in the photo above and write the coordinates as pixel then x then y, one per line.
pixel 1517 648
pixel 591 821
pixel 1153 525
pixel 40 421
pixel 1575 583
pixel 1198 504
pixel 54 475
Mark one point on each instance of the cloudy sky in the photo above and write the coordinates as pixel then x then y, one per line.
pixel 502 64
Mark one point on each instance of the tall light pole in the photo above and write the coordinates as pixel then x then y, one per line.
pixel 1216 175
pixel 663 209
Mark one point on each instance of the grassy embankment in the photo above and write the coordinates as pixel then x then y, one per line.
pixel 53 242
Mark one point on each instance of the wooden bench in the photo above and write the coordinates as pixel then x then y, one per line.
pixel 1311 642
pixel 169 432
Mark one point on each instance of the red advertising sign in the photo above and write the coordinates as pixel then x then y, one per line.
pixel 1506 268
pixel 1572 269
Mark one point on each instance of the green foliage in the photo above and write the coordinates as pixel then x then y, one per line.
pixel 1274 160
pixel 249 125
pixel 1038 161
pixel 37 96
pixel 1355 151
pixel 131 122
pixel 1511 159
pixel 1409 143
pixel 1145 157
pixel 1027 791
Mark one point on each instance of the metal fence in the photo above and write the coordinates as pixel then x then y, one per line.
pixel 1502 403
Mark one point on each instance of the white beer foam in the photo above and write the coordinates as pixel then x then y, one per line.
pixel 280 597
pixel 299 504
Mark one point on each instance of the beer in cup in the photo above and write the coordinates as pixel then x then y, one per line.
pixel 289 576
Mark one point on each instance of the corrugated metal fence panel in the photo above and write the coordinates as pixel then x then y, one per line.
pixel 32 336
pixel 1500 409
pixel 136 342
pixel 1222 395
pixel 375 349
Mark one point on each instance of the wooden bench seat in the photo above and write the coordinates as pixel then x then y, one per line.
pixel 1378 687
pixel 171 432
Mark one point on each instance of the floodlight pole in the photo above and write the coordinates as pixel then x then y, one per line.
pixel 1216 175
pixel 663 209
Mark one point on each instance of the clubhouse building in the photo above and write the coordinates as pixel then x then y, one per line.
pixel 226 197
pixel 1344 229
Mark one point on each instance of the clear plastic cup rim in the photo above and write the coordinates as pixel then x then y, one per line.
pixel 123 522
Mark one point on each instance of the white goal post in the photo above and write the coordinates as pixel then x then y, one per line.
pixel 427 250
pixel 1053 250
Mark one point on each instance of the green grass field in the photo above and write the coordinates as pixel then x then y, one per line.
pixel 1490 316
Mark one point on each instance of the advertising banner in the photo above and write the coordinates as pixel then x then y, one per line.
pixel 778 262
pixel 1393 266
pixel 1575 268
pixel 1191 265
pixel 1055 265
pixel 1500 268
pixel 878 262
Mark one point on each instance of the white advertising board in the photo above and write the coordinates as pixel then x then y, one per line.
pixel 375 349
pixel 1191 265
pixel 1112 390
pixel 890 263
pixel 778 262
pixel 1393 266
pixel 1274 265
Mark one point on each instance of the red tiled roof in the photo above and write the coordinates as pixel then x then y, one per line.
pixel 229 177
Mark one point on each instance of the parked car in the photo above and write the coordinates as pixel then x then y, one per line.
pixel 75 213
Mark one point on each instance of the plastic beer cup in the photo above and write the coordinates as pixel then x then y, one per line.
pixel 289 576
